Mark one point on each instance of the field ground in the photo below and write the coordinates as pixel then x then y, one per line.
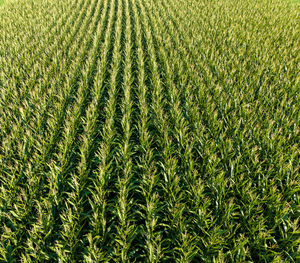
pixel 149 131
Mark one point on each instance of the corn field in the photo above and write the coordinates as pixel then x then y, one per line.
pixel 149 131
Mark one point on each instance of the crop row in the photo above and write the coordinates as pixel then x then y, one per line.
pixel 155 131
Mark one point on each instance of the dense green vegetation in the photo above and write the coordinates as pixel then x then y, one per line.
pixel 149 131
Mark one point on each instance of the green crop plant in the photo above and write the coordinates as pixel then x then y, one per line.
pixel 149 131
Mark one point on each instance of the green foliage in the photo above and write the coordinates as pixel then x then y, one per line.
pixel 149 131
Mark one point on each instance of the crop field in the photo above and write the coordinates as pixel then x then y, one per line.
pixel 149 131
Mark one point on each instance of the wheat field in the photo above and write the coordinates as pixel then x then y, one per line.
pixel 149 131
